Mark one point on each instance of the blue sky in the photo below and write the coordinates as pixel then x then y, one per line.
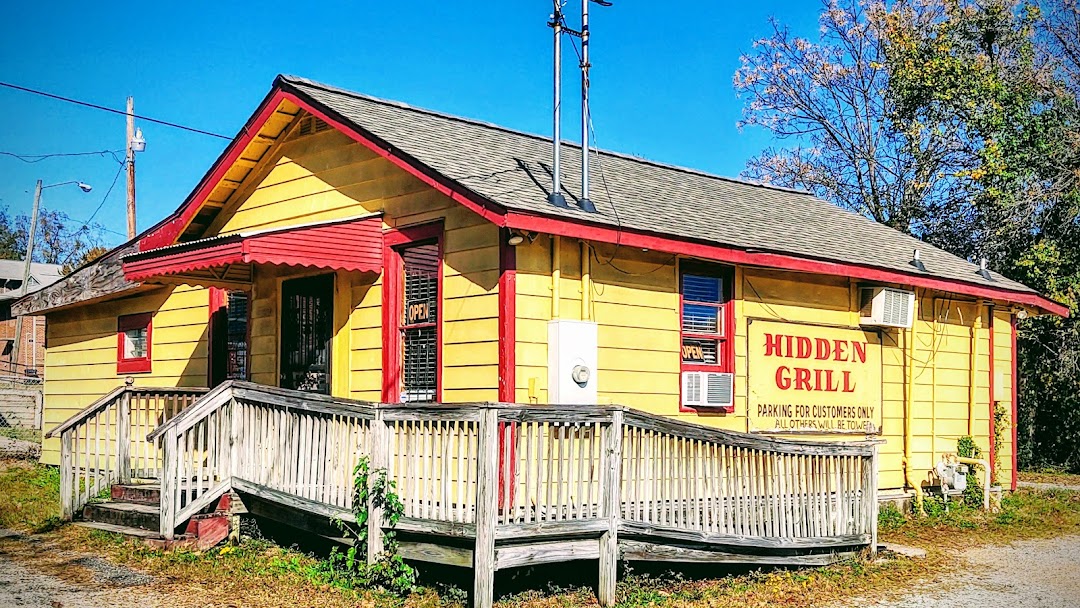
pixel 661 80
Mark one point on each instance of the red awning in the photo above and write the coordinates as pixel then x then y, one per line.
pixel 353 244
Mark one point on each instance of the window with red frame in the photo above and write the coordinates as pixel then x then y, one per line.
pixel 419 323
pixel 133 343
pixel 705 293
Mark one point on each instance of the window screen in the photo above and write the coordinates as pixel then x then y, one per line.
pixel 419 323
pixel 703 321
pixel 236 346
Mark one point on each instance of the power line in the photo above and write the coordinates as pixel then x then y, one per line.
pixel 107 193
pixel 37 158
pixel 86 225
pixel 106 109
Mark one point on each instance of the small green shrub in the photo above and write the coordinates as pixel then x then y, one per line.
pixel 349 569
pixel 890 518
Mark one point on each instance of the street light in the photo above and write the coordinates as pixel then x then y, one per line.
pixel 85 187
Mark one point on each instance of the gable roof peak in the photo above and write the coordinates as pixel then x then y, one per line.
pixel 288 79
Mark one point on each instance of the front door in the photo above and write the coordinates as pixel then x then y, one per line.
pixel 307 317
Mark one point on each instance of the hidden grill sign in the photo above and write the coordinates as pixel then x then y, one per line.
pixel 812 379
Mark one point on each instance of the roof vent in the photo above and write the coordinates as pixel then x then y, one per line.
pixel 983 271
pixel 310 124
pixel 916 262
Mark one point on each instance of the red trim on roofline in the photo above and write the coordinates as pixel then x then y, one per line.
pixel 456 192
pixel 167 232
pixel 731 255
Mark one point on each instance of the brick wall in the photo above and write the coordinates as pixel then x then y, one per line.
pixel 31 348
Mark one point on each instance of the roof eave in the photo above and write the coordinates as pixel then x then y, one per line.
pixel 576 228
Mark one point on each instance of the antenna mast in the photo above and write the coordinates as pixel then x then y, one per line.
pixel 556 197
pixel 585 203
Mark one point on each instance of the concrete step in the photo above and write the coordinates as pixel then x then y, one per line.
pixel 142 493
pixel 129 514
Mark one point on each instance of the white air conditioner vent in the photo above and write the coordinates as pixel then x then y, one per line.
pixel 886 307
pixel 708 389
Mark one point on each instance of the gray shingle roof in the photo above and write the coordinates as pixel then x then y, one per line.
pixel 512 169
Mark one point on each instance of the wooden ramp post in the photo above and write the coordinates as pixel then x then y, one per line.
pixel 380 459
pixel 487 509
pixel 610 503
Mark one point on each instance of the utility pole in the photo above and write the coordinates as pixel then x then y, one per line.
pixel 130 168
pixel 26 276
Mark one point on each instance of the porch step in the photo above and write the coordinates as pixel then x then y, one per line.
pixel 130 514
pixel 125 530
pixel 201 532
pixel 142 493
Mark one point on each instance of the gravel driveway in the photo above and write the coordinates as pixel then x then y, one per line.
pixel 1041 573
pixel 88 581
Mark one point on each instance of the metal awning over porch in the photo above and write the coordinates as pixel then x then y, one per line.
pixel 354 244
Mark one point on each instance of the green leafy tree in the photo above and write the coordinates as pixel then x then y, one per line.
pixel 957 121
pixel 826 100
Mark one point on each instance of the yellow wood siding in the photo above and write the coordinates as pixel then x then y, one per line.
pixel 633 298
pixel 305 179
pixel 80 355
pixel 328 176
pixel 635 305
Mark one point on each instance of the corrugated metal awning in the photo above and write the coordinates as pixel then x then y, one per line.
pixel 353 244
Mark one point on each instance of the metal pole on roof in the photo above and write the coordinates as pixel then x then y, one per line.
pixel 586 119
pixel 556 196
pixel 585 203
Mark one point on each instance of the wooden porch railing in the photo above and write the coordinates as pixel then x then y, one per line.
pixel 526 484
pixel 105 442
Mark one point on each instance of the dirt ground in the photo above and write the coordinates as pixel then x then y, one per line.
pixel 1042 573
pixel 36 573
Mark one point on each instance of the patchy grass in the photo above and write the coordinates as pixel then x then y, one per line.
pixel 265 575
pixel 256 570
pixel 1024 514
pixel 20 434
pixel 1052 476
pixel 780 587
pixel 29 496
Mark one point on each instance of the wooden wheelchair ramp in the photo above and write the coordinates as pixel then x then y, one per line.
pixel 495 486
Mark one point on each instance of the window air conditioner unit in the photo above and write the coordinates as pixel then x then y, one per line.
pixel 708 389
pixel 886 307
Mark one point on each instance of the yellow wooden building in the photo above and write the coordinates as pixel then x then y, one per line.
pixel 366 249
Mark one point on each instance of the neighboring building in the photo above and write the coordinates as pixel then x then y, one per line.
pixel 31 354
pixel 367 249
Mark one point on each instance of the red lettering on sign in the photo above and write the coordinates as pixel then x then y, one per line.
pixel 838 348
pixel 805 348
pixel 802 379
pixel 849 386
pixel 823 350
pixel 783 382
pixel 860 351
pixel 772 345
